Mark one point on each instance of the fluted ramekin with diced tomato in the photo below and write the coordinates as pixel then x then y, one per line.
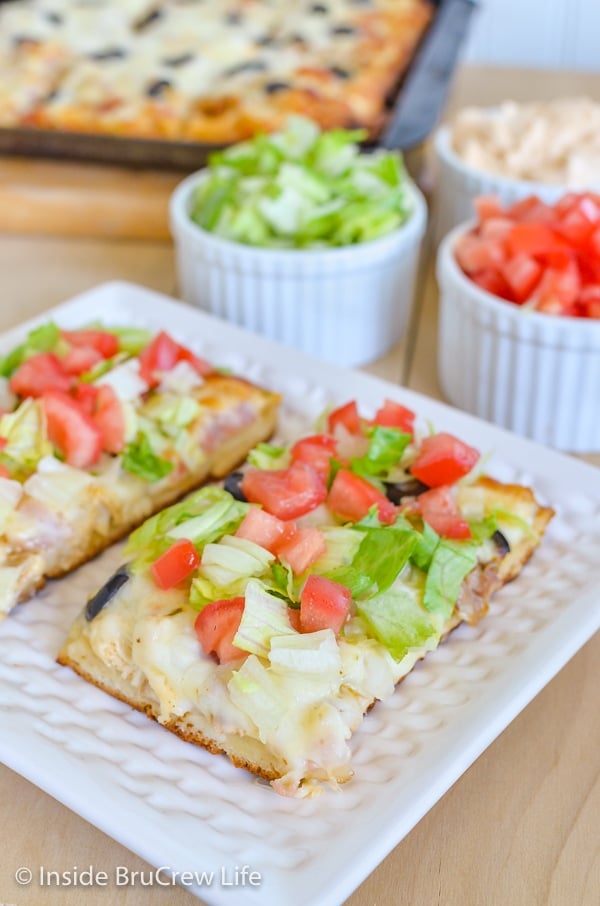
pixel 519 332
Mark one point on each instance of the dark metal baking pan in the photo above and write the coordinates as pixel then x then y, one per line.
pixel 414 110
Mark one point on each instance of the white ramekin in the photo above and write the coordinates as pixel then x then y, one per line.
pixel 346 305
pixel 533 373
pixel 459 183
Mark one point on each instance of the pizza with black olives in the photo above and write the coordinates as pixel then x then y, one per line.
pixel 202 70
pixel 264 619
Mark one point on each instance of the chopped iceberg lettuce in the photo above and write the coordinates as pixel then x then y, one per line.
pixel 269 456
pixel 41 339
pixel 452 561
pixel 232 559
pixel 380 559
pixel 220 512
pixel 265 616
pixel 24 431
pixel 302 188
pixel 386 446
pixel 58 486
pixel 222 517
pixel 140 459
pixel 310 654
pixel 131 339
pixel 171 411
pixel 399 622
pixel 256 692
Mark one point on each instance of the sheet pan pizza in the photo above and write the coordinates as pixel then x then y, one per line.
pixel 101 427
pixel 263 619
pixel 202 70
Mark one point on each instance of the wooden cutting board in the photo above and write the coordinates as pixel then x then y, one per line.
pixel 62 198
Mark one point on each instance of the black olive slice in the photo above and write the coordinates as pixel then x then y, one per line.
pixel 180 60
pixel 265 41
pixel 248 66
pixel 501 543
pixel 156 88
pixel 233 484
pixel 396 490
pixel 275 87
pixel 340 72
pixel 153 16
pixel 106 593
pixel 111 53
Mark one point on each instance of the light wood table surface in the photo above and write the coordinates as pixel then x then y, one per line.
pixel 521 827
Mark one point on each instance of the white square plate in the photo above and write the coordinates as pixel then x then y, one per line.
pixel 176 805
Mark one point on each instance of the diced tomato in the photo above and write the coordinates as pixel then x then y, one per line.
pixel 285 493
pixel 43 371
pixel 324 604
pixel 4 472
pixel 109 418
pixel 535 239
pixel 351 497
pixel 488 207
pixel 495 228
pixel 443 459
pixel 304 547
pixel 216 627
pixel 163 353
pixel 80 359
pixel 316 451
pixel 85 395
pixel 347 416
pixel 393 415
pixel 107 344
pixel 594 243
pixel 475 254
pixel 576 226
pixel 565 204
pixel 552 253
pixel 492 281
pixel 558 290
pixel 531 210
pixel 589 300
pixel 522 273
pixel 294 618
pixel 71 429
pixel 264 529
pixel 438 508
pixel 176 564
pixel 200 365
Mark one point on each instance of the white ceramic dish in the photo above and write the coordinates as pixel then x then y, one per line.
pixel 346 305
pixel 533 373
pixel 459 183
pixel 179 807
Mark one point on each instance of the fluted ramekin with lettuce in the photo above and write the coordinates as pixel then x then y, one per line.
pixel 305 237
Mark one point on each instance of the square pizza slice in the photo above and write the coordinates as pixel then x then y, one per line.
pixel 100 428
pixel 263 619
